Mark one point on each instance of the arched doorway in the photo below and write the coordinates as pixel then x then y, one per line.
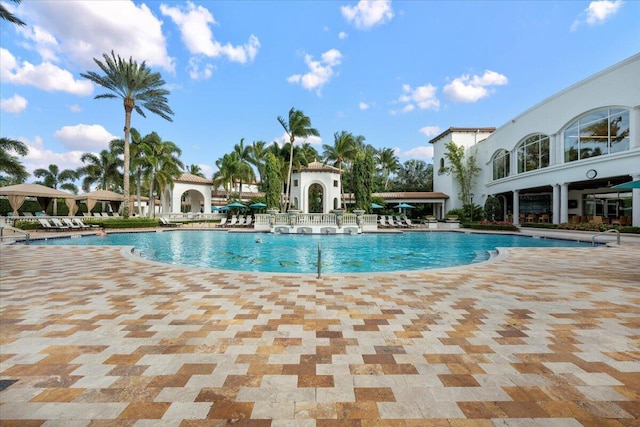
pixel 315 198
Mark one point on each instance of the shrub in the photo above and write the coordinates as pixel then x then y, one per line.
pixel 539 225
pixel 491 225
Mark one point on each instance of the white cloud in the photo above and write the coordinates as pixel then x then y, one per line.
pixel 45 76
pixel 83 137
pixel 342 35
pixel 423 97
pixel 320 72
pixel 75 108
pixel 196 72
pixel 363 106
pixel 194 23
pixel 420 153
pixel 472 88
pixel 368 13
pixel 128 29
pixel 16 104
pixel 430 130
pixel 284 139
pixel 41 158
pixel 597 12
pixel 44 42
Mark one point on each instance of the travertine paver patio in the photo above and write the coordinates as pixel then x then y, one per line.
pixel 545 337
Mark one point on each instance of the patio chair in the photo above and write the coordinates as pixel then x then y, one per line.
pixel 83 225
pixel 47 225
pixel 401 221
pixel 57 223
pixel 164 222
pixel 71 224
pixel 223 221
pixel 234 221
pixel 248 221
pixel 383 222
pixel 240 222
pixel 409 223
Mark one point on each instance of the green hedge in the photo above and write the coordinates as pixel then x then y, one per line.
pixel 539 225
pixel 583 226
pixel 106 223
pixel 490 226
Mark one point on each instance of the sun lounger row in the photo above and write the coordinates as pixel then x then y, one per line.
pixel 66 224
pixel 237 221
pixel 102 214
pixel 389 221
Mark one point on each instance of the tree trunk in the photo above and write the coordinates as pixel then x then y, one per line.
pixel 128 108
pixel 288 197
pixel 139 180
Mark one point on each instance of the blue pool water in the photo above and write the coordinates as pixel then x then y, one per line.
pixel 299 253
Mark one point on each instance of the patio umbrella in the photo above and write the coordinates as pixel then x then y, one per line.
pixel 235 205
pixel 404 206
pixel 627 185
pixel 376 206
pixel 258 205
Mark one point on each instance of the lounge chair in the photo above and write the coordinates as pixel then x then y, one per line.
pixel 234 221
pixel 409 223
pixel 83 225
pixel 71 224
pixel 401 222
pixel 223 221
pixel 240 222
pixel 391 222
pixel 57 223
pixel 115 214
pixel 96 214
pixel 47 225
pixel 383 222
pixel 248 221
pixel 164 222
pixel 105 214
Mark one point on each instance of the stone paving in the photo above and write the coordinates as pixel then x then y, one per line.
pixel 90 336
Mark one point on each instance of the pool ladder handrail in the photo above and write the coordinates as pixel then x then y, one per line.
pixel 593 239
pixel 14 229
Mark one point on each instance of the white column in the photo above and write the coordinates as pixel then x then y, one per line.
pixel 553 150
pixel 635 203
pixel 564 203
pixel 556 204
pixel 634 123
pixel 516 207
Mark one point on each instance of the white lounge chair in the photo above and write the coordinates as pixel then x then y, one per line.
pixel 223 221
pixel 71 224
pixel 383 222
pixel 248 221
pixel 164 222
pixel 234 221
pixel 47 225
pixel 83 225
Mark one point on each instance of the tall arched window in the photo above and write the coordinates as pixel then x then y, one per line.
pixel 598 133
pixel 501 164
pixel 533 153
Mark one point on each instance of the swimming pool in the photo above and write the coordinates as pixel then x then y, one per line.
pixel 286 253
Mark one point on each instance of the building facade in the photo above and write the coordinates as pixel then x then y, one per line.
pixel 557 161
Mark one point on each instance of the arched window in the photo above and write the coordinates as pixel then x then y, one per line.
pixel 533 153
pixel 598 133
pixel 501 164
pixel 441 168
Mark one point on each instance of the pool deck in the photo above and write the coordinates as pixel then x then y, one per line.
pixel 91 336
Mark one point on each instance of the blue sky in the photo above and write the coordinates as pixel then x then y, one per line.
pixel 396 72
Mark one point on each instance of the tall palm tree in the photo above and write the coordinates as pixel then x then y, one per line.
pixel 388 162
pixel 9 163
pixel 298 125
pixel 102 169
pixel 131 82
pixel 164 163
pixel 343 150
pixel 8 16
pixel 138 155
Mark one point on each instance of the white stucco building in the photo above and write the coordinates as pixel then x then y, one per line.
pixel 557 160
pixel 315 188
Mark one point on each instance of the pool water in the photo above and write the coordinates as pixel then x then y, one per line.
pixel 374 252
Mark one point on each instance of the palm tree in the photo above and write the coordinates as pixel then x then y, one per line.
pixel 10 164
pixel 8 16
pixel 102 169
pixel 298 125
pixel 244 157
pixel 343 149
pixel 52 177
pixel 131 82
pixel 195 170
pixel 388 163
pixel 165 165
pixel 257 153
pixel 138 156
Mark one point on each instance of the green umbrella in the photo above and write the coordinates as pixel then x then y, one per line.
pixel 376 206
pixel 627 185
pixel 235 205
pixel 258 205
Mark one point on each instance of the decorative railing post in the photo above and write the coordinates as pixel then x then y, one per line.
pixel 339 213
pixel 272 216
pixel 359 217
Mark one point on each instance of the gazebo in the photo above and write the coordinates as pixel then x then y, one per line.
pixel 19 192
pixel 114 199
